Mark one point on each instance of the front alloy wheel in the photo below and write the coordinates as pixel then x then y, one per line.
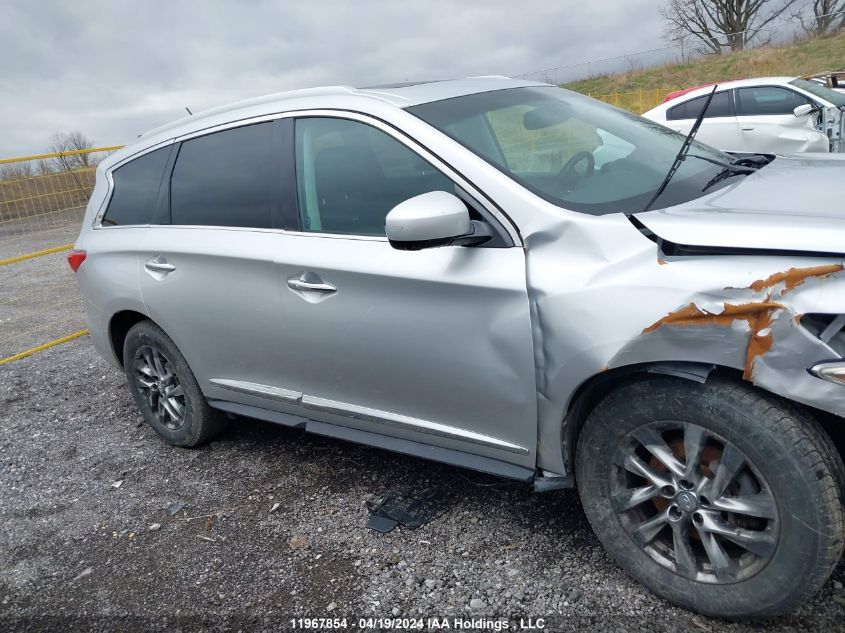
pixel 693 502
pixel 718 496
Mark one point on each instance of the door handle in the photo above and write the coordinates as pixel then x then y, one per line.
pixel 159 265
pixel 310 286
pixel 748 129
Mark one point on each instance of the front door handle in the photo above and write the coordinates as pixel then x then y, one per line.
pixel 310 286
pixel 748 129
pixel 159 264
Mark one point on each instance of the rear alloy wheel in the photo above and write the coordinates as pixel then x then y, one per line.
pixel 717 496
pixel 165 389
pixel 157 380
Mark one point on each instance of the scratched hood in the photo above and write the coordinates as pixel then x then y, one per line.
pixel 795 203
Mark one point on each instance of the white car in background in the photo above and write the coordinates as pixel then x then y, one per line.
pixel 775 115
pixel 835 80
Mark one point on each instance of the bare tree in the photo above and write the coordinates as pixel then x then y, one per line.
pixel 16 171
pixel 62 142
pixel 44 167
pixel 719 25
pixel 828 16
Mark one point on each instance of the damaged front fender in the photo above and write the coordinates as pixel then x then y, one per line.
pixel 756 329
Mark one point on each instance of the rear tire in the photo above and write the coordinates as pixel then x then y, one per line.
pixel 166 390
pixel 763 474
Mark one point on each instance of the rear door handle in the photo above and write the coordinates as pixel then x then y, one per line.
pixel 748 129
pixel 159 265
pixel 310 286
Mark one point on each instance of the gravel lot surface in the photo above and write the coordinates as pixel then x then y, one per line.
pixel 21 237
pixel 272 527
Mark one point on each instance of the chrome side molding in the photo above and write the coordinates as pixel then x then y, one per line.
pixel 366 414
pixel 407 423
pixel 263 391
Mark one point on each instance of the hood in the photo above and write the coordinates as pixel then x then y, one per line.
pixel 795 203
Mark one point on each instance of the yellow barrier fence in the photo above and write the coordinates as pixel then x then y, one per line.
pixel 637 102
pixel 42 201
pixel 44 192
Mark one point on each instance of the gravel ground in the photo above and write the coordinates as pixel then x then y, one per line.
pixel 21 237
pixel 272 527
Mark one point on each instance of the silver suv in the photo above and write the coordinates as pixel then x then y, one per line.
pixel 508 277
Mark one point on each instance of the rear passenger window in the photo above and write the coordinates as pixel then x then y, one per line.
pixel 225 179
pixel 721 105
pixel 135 189
pixel 767 100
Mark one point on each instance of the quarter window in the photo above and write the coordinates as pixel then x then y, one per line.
pixel 225 179
pixel 721 105
pixel 350 175
pixel 768 100
pixel 136 187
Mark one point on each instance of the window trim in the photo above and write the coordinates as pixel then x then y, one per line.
pixel 508 228
pixel 782 87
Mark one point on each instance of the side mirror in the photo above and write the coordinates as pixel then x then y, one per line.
pixel 803 110
pixel 433 219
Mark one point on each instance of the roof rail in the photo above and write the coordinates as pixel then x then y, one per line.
pixel 254 101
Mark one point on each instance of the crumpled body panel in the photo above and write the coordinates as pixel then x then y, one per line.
pixel 757 328
pixel 603 298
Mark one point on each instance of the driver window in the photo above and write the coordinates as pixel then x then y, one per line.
pixel 350 175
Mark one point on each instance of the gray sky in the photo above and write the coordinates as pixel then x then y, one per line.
pixel 114 69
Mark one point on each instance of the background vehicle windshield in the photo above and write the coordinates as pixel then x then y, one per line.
pixel 823 92
pixel 573 151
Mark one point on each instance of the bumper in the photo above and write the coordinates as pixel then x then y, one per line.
pixel 98 328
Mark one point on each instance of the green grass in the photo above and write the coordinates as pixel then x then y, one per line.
pixel 801 58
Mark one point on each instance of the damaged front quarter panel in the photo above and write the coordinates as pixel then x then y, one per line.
pixel 758 329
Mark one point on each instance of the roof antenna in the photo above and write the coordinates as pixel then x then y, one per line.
pixel 189 111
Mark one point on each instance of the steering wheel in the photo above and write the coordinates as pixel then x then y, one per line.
pixel 566 173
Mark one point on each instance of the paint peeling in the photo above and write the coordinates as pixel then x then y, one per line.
pixel 760 343
pixel 794 277
pixel 692 314
pixel 758 312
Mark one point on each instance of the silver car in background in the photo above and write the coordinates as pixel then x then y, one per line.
pixel 498 274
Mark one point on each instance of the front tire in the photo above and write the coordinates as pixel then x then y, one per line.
pixel 165 389
pixel 717 496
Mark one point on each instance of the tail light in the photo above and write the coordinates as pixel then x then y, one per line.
pixel 75 259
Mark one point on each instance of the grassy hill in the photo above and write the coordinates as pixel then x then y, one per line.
pixel 801 58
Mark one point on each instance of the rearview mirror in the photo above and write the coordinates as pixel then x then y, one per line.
pixel 803 110
pixel 548 114
pixel 432 219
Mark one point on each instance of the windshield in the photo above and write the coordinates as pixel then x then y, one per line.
pixel 821 91
pixel 574 151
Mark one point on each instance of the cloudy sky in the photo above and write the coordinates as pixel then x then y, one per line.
pixel 113 69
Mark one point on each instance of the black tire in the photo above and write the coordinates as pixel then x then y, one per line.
pixel 787 461
pixel 186 419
